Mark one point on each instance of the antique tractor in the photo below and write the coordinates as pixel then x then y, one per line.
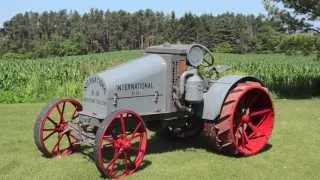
pixel 172 89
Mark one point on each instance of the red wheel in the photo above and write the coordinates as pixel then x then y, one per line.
pixel 246 120
pixel 120 144
pixel 52 134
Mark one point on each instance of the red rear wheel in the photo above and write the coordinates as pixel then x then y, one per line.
pixel 120 144
pixel 52 134
pixel 246 121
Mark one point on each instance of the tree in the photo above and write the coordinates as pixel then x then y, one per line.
pixel 188 28
pixel 296 13
pixel 170 31
pixel 60 33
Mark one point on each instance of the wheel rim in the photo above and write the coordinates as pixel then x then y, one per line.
pixel 253 121
pixel 122 146
pixel 56 137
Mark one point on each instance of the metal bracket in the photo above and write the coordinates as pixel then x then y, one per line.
pixel 156 97
pixel 115 100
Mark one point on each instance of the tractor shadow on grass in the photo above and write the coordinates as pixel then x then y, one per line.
pixel 88 154
pixel 158 144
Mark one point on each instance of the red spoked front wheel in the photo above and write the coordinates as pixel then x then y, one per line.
pixel 121 144
pixel 246 120
pixel 52 134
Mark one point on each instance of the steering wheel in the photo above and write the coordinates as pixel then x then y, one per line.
pixel 207 68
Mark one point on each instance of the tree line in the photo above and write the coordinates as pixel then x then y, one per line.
pixel 63 33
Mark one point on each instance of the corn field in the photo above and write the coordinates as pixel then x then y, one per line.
pixel 43 79
pixel 286 76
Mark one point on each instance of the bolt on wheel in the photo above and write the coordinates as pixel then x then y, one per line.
pixel 52 134
pixel 121 144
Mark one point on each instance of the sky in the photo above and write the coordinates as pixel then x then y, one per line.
pixel 8 8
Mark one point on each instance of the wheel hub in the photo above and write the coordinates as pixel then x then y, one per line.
pixel 123 143
pixel 61 127
pixel 245 118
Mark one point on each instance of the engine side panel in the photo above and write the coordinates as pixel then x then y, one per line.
pixel 95 97
pixel 214 98
pixel 140 85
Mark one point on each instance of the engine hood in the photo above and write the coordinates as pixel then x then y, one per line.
pixel 125 86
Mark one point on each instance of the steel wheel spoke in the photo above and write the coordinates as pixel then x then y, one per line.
pixel 255 129
pixel 255 136
pixel 109 139
pixel 60 113
pixel 69 140
pixel 115 157
pixel 246 147
pixel 266 117
pixel 134 133
pixel 52 121
pixel 244 137
pixel 74 114
pixel 59 110
pixel 56 146
pixel 123 125
pixel 261 112
pixel 72 136
pixel 243 142
pixel 49 135
pixel 237 134
pixel 137 128
pixel 134 136
pixel 236 140
pixel 113 161
pixel 126 160
pixel 63 107
pixel 49 129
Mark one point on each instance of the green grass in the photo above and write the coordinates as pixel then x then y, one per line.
pixel 294 153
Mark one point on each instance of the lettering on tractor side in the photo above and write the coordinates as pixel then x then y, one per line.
pixel 173 89
pixel 95 81
pixel 134 86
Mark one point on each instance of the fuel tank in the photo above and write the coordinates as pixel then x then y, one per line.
pixel 140 85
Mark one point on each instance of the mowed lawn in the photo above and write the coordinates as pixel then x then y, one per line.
pixel 294 151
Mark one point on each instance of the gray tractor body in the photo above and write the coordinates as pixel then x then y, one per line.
pixel 149 86
pixel 140 85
